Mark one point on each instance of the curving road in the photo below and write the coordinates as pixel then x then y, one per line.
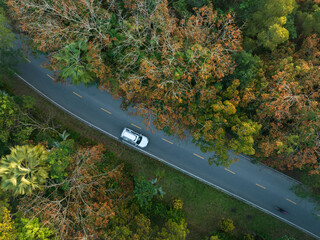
pixel 255 184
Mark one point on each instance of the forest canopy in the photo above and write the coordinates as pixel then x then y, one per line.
pixel 241 76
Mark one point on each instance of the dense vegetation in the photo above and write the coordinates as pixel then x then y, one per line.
pixel 53 187
pixel 241 75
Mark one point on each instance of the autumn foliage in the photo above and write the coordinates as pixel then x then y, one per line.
pixel 290 110
pixel 54 24
pixel 173 71
pixel 82 205
pixel 179 71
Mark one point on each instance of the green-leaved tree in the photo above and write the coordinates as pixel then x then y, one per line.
pixel 8 56
pixel 7 229
pixel 24 169
pixel 173 231
pixel 31 229
pixel 266 25
pixel 6 35
pixel 309 21
pixel 72 61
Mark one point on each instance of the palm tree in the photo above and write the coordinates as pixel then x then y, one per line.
pixel 24 169
pixel 73 62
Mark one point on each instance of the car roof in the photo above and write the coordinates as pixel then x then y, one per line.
pixel 129 135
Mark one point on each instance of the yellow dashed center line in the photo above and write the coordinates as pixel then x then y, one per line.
pixel 77 94
pixel 260 186
pixel 27 59
pixel 291 201
pixel 105 110
pixel 198 156
pixel 50 77
pixel 135 126
pixel 166 140
pixel 229 170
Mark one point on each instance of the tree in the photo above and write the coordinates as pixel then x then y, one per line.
pixel 289 108
pixel 173 231
pixel 129 224
pixel 248 236
pixel 176 213
pixel 6 35
pixel 267 23
pixel 214 238
pixel 245 131
pixel 86 206
pixel 59 159
pixel 62 22
pixel 184 7
pixel 29 229
pixel 290 26
pixel 72 60
pixel 248 68
pixel 7 229
pixel 308 18
pixel 18 122
pixel 79 61
pixel 24 169
pixel 72 32
pixel 275 35
pixel 14 121
pixel 174 73
pixel 226 225
pixel 6 42
pixel 171 70
pixel 144 191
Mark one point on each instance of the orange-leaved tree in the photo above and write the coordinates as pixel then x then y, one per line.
pixel 172 71
pixel 57 27
pixel 289 110
pixel 84 202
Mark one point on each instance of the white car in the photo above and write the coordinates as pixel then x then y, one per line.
pixel 134 138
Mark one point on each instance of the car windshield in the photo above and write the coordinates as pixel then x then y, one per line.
pixel 139 140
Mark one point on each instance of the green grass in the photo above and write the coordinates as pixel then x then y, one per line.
pixel 204 205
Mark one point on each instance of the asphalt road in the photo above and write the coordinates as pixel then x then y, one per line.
pixel 255 184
